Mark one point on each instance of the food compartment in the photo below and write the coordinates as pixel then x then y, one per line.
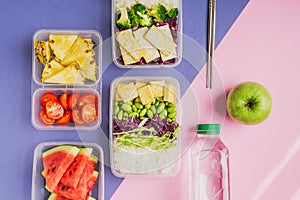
pixel 66 109
pixel 95 153
pixel 66 57
pixel 147 34
pixel 145 126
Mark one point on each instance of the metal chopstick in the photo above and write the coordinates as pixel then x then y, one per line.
pixel 211 41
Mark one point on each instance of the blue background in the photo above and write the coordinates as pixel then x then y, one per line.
pixel 19 20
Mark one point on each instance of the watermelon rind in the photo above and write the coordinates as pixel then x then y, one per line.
pixel 54 168
pixel 66 148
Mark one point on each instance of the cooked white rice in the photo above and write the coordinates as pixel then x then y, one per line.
pixel 131 160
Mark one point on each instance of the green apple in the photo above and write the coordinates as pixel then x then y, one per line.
pixel 249 103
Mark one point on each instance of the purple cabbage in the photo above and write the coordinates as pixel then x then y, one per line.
pixel 160 126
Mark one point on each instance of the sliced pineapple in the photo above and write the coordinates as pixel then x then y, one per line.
pixel 51 68
pixel 69 75
pixel 42 51
pixel 88 68
pixel 61 44
pixel 90 42
pixel 78 52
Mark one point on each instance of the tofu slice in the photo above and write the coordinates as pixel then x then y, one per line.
pixel 169 93
pixel 151 52
pixel 130 44
pixel 139 84
pixel 165 55
pixel 146 95
pixel 127 58
pixel 118 97
pixel 158 38
pixel 127 92
pixel 157 88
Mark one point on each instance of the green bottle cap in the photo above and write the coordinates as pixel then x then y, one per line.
pixel 208 129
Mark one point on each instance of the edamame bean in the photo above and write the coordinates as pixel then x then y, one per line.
pixel 116 110
pixel 138 106
pixel 129 103
pixel 171 109
pixel 125 114
pixel 116 103
pixel 163 114
pixel 126 107
pixel 167 103
pixel 133 114
pixel 120 115
pixel 134 109
pixel 160 108
pixel 149 114
pixel 143 112
pixel 148 106
pixel 169 120
pixel 153 109
pixel 172 115
pixel 156 103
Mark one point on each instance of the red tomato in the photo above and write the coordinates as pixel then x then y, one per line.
pixel 47 97
pixel 54 109
pixel 89 113
pixel 76 117
pixel 87 99
pixel 44 118
pixel 65 118
pixel 63 100
pixel 72 100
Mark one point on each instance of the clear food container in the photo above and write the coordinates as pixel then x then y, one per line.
pixel 43 35
pixel 36 109
pixel 39 192
pixel 145 126
pixel 154 54
pixel 66 61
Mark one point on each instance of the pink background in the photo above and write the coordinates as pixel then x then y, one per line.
pixel 264 46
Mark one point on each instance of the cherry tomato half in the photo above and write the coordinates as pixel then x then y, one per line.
pixel 65 118
pixel 44 118
pixel 54 109
pixel 89 113
pixel 87 99
pixel 76 117
pixel 47 97
pixel 63 100
pixel 72 100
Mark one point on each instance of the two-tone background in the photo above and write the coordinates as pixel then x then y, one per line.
pixel 255 40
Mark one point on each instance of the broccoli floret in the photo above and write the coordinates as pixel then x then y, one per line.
pixel 159 12
pixel 138 8
pixel 172 13
pixel 139 16
pixel 123 21
pixel 146 20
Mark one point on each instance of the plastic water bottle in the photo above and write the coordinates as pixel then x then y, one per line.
pixel 208 165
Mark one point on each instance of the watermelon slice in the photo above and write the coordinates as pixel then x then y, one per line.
pixel 54 196
pixel 85 184
pixel 73 173
pixel 56 161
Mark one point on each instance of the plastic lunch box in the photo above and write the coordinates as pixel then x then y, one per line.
pixel 38 190
pixel 119 159
pixel 115 46
pixel 38 88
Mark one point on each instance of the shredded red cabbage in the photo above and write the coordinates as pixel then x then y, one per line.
pixel 161 126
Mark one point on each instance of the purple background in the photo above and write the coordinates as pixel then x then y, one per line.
pixel 19 20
